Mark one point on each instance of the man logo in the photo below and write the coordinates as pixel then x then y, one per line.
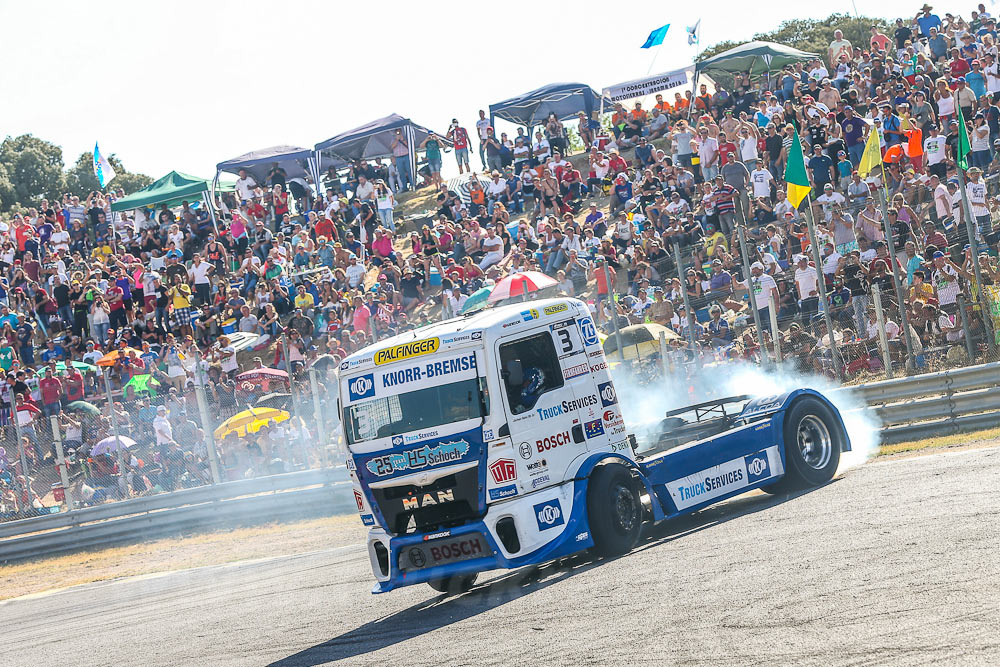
pixel 607 392
pixel 361 387
pixel 524 449
pixel 548 514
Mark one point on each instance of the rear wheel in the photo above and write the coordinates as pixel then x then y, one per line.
pixel 614 509
pixel 454 585
pixel 813 440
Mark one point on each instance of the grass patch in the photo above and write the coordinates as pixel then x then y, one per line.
pixel 944 441
pixel 179 553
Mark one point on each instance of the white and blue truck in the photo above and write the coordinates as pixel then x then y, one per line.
pixel 496 440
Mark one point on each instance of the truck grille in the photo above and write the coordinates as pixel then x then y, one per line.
pixel 447 501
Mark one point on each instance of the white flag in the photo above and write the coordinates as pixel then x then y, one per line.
pixel 693 32
pixel 103 170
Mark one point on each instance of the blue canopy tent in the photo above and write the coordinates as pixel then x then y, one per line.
pixel 532 108
pixel 372 140
pixel 296 161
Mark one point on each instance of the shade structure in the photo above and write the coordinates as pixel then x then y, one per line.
pixel 81 366
pixel 171 190
pixel 295 160
pixel 112 444
pixel 753 57
pixel 85 407
pixel 520 285
pixel 277 400
pixel 533 107
pixel 477 300
pixel 250 420
pixel 639 340
pixel 372 140
pixel 113 356
pixel 145 383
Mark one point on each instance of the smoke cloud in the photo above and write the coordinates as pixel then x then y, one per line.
pixel 644 402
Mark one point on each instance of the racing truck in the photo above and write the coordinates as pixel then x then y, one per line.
pixel 497 440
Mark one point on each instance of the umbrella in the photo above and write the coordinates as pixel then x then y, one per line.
pixel 249 421
pixel 276 400
pixel 477 300
pixel 753 57
pixel 143 383
pixel 84 407
pixel 639 340
pixel 111 357
pixel 520 284
pixel 263 375
pixel 111 444
pixel 79 365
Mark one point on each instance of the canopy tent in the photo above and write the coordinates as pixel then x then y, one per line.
pixel 297 162
pixel 373 140
pixel 653 84
pixel 753 57
pixel 532 108
pixel 171 190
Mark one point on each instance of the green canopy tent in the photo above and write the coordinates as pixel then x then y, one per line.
pixel 172 190
pixel 753 57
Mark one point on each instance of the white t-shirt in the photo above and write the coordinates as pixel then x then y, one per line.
pixel 828 201
pixel 481 126
pixel 365 190
pixel 601 168
pixel 540 149
pixel 947 290
pixel 229 363
pixel 492 245
pixel 163 430
pixel 976 193
pixel 762 287
pixel 60 240
pixel 934 149
pixel 355 274
pixel 244 187
pixel 761 179
pixel 806 282
pixel 200 273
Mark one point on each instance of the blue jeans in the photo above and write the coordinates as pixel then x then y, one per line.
pixel 101 331
pixel 403 167
pixel 385 215
pixel 855 152
pixel 556 259
pixel 66 314
pixel 860 303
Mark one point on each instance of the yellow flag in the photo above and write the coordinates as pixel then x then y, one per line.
pixel 872 156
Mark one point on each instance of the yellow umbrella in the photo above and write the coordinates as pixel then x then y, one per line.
pixel 250 421
pixel 639 341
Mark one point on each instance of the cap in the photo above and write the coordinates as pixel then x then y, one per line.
pixel 757 265
pixel 937 254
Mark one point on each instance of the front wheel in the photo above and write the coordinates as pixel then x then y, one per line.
pixel 614 509
pixel 813 441
pixel 454 585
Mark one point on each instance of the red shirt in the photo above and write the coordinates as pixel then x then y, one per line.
pixel 959 66
pixel 110 295
pixel 255 211
pixel 74 386
pixel 324 228
pixel 618 165
pixel 460 138
pixel 51 389
pixel 727 147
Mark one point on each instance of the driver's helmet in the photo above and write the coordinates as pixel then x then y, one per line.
pixel 534 378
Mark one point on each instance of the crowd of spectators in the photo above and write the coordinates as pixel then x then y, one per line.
pixel 328 270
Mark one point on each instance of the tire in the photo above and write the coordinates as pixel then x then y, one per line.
pixel 813 441
pixel 614 510
pixel 454 585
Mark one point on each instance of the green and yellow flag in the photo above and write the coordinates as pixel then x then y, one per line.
pixel 796 179
pixel 872 157
pixel 964 148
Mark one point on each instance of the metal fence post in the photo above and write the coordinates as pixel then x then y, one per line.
pixel 663 355
pixel 821 283
pixel 207 423
pixel 114 430
pixel 318 412
pixel 882 338
pixel 775 333
pixel 687 303
pixel 614 311
pixel 897 281
pixel 21 452
pixel 748 278
pixel 969 346
pixel 61 461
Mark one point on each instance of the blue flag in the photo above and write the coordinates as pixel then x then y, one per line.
pixel 103 170
pixel 656 37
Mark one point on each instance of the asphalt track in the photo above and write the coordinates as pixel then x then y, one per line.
pixel 896 562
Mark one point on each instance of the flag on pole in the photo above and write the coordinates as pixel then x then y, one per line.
pixel 692 30
pixel 103 170
pixel 872 157
pixel 964 148
pixel 796 178
pixel 656 37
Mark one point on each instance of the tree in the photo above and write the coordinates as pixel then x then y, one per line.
pixel 811 35
pixel 33 167
pixel 80 178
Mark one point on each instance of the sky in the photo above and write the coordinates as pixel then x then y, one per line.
pixel 185 85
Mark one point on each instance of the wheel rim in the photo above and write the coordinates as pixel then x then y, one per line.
pixel 624 513
pixel 814 441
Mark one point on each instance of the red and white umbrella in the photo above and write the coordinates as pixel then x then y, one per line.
pixel 520 285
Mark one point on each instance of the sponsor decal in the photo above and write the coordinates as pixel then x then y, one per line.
pixel 502 492
pixel 568 406
pixel 458 338
pixel 593 429
pixel 354 363
pixel 397 440
pixel 361 387
pixel 415 348
pixel 763 404
pixel 612 418
pixel 621 447
pixel 538 467
pixel 415 459
pixel 596 353
pixel 487 434
pixel 359 499
pixel 368 519
pixel 350 463
pixel 617 429
pixel 344 366
pixel 417 437
pixel 503 470
pixel 417 557
pixel 575 371
pixel 552 441
pixel 561 325
pixel 603 366
pixel 510 324
pixel 548 514
pixel 456 550
pixel 524 449
pixel 607 392
pixel 530 314
pixel 539 481
pixel 763 426
pixel 428 371
pixel 582 536
pixel 477 335
pixel 757 467
pixel 588 331
pixel 555 308
pixel 436 498
pixel 434 536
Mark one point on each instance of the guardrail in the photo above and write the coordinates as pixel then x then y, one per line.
pixel 910 408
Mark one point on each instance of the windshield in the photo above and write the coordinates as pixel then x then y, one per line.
pixel 416 410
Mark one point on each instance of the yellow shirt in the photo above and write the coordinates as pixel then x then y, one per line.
pixel 304 300
pixel 182 296
pixel 714 240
